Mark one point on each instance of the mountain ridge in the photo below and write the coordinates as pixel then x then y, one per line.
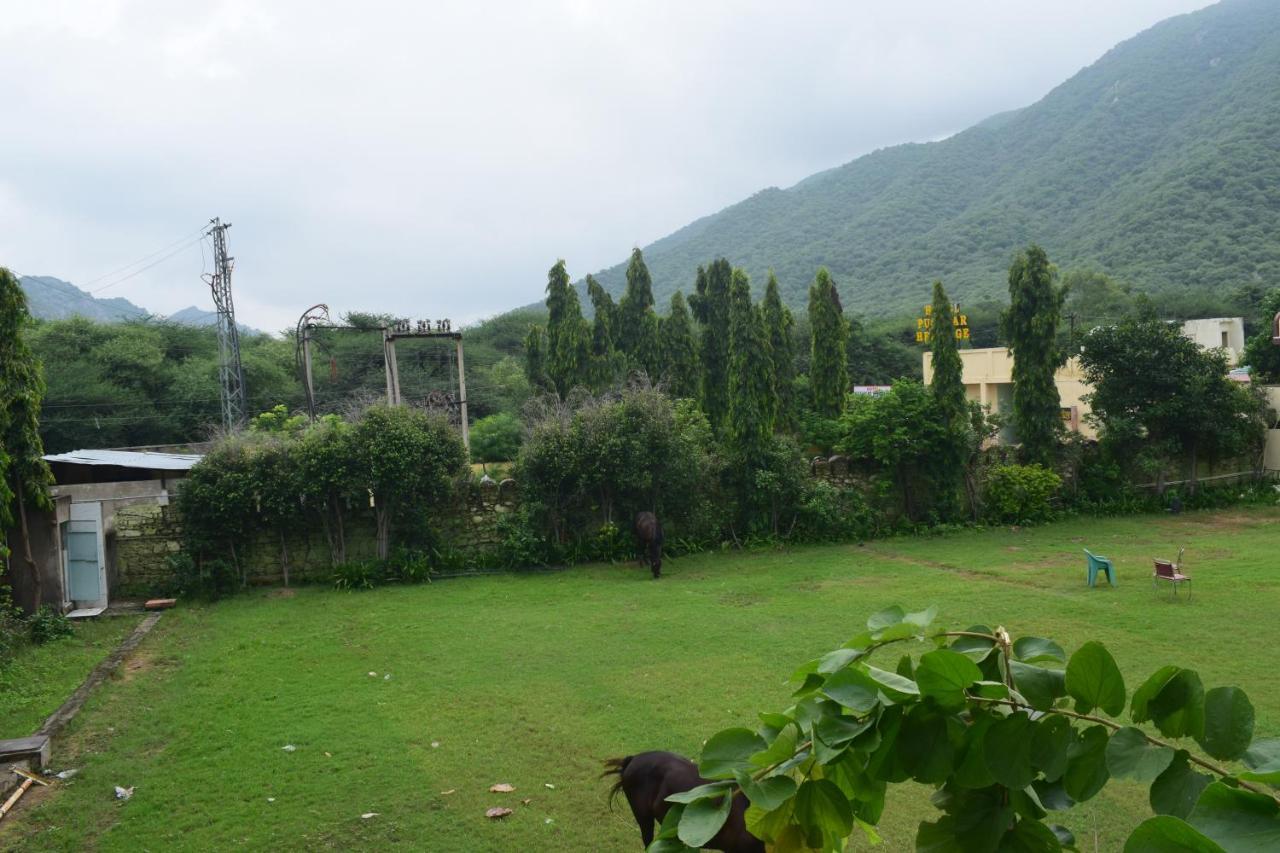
pixel 1159 164
pixel 50 298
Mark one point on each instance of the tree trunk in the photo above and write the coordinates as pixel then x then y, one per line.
pixel 383 519
pixel 284 557
pixel 36 581
pixel 235 561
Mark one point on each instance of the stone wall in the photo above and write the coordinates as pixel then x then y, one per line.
pixel 146 535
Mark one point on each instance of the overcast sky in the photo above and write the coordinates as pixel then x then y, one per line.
pixel 430 159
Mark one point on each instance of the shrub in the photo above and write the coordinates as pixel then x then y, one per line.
pixel 1017 494
pixel 495 438
pixel 208 579
pixel 355 575
pixel 828 513
pixel 47 624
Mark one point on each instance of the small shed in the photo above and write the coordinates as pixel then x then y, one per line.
pixel 74 546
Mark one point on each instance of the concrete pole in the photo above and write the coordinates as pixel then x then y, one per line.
pixel 462 395
pixel 306 367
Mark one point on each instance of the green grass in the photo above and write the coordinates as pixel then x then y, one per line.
pixel 42 677
pixel 535 679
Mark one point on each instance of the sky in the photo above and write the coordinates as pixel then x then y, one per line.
pixel 433 160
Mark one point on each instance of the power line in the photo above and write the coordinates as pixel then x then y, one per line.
pixel 182 239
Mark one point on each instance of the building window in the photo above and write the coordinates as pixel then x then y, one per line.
pixel 1224 340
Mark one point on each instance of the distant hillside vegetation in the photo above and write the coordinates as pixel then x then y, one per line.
pixel 1159 164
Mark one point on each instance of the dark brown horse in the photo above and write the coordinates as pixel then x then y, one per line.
pixel 649 532
pixel 647 779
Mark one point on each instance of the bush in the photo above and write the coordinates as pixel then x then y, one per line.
pixel 495 438
pixel 1019 494
pixel 829 513
pixel 47 624
pixel 208 579
pixel 355 575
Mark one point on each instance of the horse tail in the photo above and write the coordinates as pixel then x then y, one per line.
pixel 615 766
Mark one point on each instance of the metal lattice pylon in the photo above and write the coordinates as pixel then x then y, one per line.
pixel 231 373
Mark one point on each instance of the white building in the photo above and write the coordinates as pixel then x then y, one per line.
pixel 1218 332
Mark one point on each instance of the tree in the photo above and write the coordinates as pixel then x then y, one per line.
pixel 637 333
pixel 779 328
pixel 1260 352
pixel 1003 730
pixel 1030 325
pixel 828 374
pixel 752 401
pixel 568 336
pixel 24 475
pixel 950 403
pixel 607 363
pixel 679 350
pixel 1157 396
pixel 710 304
pixel 406 461
pixel 495 438
pixel 535 366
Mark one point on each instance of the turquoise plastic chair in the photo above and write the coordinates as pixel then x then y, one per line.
pixel 1099 564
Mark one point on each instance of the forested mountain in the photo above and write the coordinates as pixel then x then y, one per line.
pixel 50 298
pixel 1159 164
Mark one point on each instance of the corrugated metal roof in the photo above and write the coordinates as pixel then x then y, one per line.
pixel 128 459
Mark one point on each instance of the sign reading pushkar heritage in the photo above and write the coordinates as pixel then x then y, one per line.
pixel 959 324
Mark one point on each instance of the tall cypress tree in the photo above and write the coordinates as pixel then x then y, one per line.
pixel 828 370
pixel 568 356
pixel 607 363
pixel 679 350
pixel 751 397
pixel 950 404
pixel 637 333
pixel 1030 325
pixel 24 475
pixel 710 305
pixel 779 324
pixel 535 363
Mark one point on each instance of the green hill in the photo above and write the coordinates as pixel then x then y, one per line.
pixel 1158 164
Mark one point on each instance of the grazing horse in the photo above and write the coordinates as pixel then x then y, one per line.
pixel 649 532
pixel 649 778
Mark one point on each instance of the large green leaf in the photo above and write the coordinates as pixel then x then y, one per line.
pixel 729 751
pixel 924 746
pixel 1087 764
pixel 1131 756
pixel 1166 834
pixel 1094 680
pixel 1228 723
pixel 971 766
pixel 767 794
pixel 944 676
pixel 823 811
pixel 711 789
pixel 837 730
pixel 1039 686
pixel 702 819
pixel 1050 746
pixel 1030 836
pixel 893 685
pixel 975 648
pixel 782 748
pixel 853 689
pixel 1006 747
pixel 1175 791
pixel 1138 709
pixel 1263 761
pixel 922 618
pixel 1038 650
pixel 885 618
pixel 1238 820
pixel 1178 709
pixel 838 659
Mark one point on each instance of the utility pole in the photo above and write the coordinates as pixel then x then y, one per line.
pixel 316 315
pixel 462 395
pixel 231 372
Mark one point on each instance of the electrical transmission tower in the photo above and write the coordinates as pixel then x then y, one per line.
pixel 230 371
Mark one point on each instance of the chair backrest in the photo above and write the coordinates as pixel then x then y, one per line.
pixel 1164 568
pixel 1089 554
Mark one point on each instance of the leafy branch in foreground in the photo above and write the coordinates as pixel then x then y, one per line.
pixel 1006 731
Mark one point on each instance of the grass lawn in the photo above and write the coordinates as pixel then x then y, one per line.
pixel 42 677
pixel 535 679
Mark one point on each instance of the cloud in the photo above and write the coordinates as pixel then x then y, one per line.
pixel 435 159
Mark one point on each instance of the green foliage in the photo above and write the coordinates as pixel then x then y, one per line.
pixel 950 403
pixel 535 360
pixel 207 579
pixel 277 420
pixel 1031 328
pixel 47 625
pixel 608 364
pixel 1020 494
pixel 961 722
pixel 1260 353
pixel 679 350
pixel 357 575
pixel 753 401
pixel 780 330
pixel 710 304
pixel 637 329
pixel 568 334
pixel 1158 396
pixel 496 438
pixel 828 371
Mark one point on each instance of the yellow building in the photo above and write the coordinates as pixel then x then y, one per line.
pixel 988 378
